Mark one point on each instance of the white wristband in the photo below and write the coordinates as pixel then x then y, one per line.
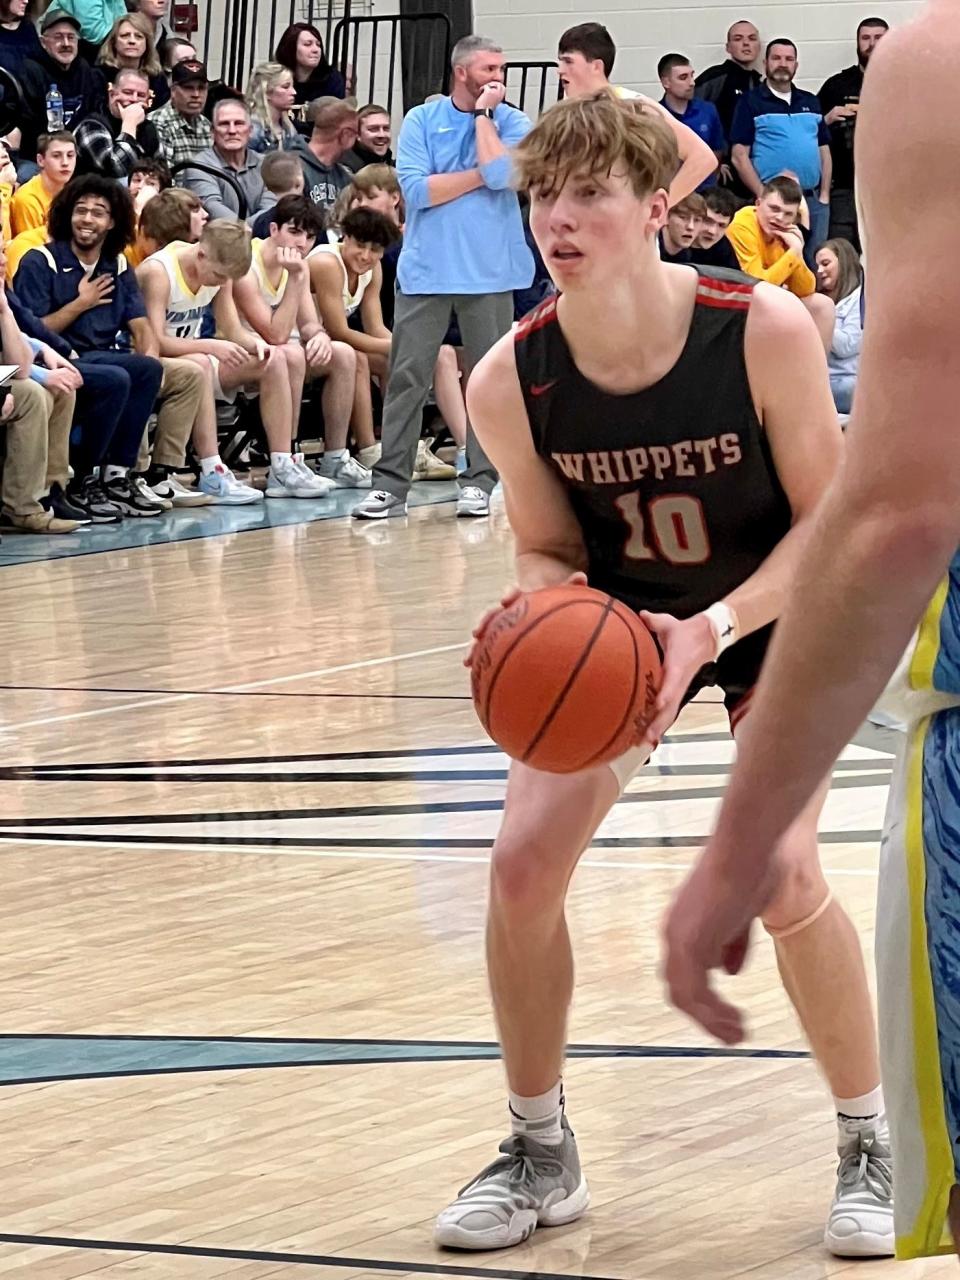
pixel 724 624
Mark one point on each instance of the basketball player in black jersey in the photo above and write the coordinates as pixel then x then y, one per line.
pixel 665 436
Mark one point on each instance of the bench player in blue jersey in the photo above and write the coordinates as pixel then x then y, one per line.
pixel 669 434
pixel 885 547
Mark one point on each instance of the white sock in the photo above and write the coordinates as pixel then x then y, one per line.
pixel 210 464
pixel 336 455
pixel 869 1106
pixel 277 460
pixel 539 1118
pixel 113 473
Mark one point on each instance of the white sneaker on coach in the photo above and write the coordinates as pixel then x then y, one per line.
pixel 294 479
pixel 379 505
pixel 473 501
pixel 345 473
pixel 860 1224
pixel 222 486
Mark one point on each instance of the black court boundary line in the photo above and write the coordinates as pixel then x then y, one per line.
pixel 384 811
pixel 293 1259
pixel 266 843
pixel 144 1037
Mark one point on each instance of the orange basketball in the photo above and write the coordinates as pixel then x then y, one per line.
pixel 565 678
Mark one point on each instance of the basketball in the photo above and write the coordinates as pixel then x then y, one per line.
pixel 565 678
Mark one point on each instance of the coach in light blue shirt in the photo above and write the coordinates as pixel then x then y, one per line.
pixel 464 253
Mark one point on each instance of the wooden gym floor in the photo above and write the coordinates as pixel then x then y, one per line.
pixel 246 811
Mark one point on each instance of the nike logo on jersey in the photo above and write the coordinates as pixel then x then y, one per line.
pixel 541 388
pixel 446 128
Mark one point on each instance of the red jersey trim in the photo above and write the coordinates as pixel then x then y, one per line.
pixel 729 295
pixel 538 318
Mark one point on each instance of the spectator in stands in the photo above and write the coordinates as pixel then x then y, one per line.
pixel 682 228
pixel 780 127
pixel 373 139
pixel 57 158
pixel 769 246
pixel 231 154
pixel 184 131
pixel 334 124
pixel 273 300
pixel 376 186
pixel 727 82
pixel 130 46
pixel 840 102
pixel 300 48
pixel 676 77
pixel 18 36
pixel 59 63
pixel 8 185
pixel 711 247
pixel 113 141
pixel 840 278
pixel 585 57
pixel 179 283
pixel 147 179
pixel 81 287
pixel 454 167
pixel 95 19
pixel 155 11
pixel 282 176
pixel 270 96
pixel 176 49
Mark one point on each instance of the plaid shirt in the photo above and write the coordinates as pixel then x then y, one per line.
pixel 102 148
pixel 181 139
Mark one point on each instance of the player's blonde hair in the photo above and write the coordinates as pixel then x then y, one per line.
pixel 227 243
pixel 594 135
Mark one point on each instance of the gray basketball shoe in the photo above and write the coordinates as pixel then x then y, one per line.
pixel 860 1224
pixel 529 1185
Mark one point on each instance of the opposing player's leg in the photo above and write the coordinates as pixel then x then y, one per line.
pixel 548 822
pixel 917 909
pixel 821 963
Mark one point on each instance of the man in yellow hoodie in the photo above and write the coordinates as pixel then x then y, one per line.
pixel 768 242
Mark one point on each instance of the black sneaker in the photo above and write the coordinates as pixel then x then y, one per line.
pixel 124 493
pixel 62 507
pixel 87 495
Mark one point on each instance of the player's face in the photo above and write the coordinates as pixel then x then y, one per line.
pixel 580 76
pixel 59 163
pixel 684 227
pixel 828 269
pixel 289 237
pixel 385 202
pixel 360 257
pixel 90 221
pixel 209 271
pixel 781 66
pixel 714 225
pixel 589 229
pixel 743 43
pixel 198 220
pixel 774 214
pixel 867 41
pixel 679 83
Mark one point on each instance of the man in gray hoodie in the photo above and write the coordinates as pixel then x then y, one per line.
pixel 334 133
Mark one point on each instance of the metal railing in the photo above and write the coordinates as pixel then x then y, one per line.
pixel 241 33
pixel 366 50
pixel 539 83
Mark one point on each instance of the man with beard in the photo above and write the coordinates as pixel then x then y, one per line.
pixel 780 129
pixel 60 64
pixel 373 139
pixel 840 102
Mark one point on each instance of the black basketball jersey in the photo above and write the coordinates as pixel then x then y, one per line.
pixel 674 486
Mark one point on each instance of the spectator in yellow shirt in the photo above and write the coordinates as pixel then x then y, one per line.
pixel 8 185
pixel 57 158
pixel 768 243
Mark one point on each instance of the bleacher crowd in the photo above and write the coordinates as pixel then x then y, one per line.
pixel 186 266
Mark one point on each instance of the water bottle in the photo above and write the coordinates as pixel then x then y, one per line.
pixel 54 109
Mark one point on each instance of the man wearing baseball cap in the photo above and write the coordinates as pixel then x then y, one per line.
pixel 183 128
pixel 59 64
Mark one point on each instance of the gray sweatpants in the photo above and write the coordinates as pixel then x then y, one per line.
pixel 419 324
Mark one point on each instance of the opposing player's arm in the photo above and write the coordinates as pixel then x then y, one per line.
pixel 788 376
pixel 549 545
pixel 697 161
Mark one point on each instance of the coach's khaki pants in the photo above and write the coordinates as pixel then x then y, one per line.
pixel 37 436
pixel 178 403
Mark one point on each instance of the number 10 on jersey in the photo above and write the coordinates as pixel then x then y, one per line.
pixel 670 528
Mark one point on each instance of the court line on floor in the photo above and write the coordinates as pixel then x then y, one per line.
pixel 256 684
pixel 228 693
pixel 265 847
pixel 293 1259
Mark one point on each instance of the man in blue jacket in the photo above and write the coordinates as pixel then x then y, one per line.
pixel 464 252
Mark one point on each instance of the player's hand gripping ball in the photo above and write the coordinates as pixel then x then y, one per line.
pixel 565 678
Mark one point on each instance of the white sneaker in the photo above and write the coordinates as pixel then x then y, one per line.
pixel 370 456
pixel 860 1224
pixel 428 466
pixel 294 479
pixel 473 501
pixel 148 494
pixel 171 490
pixel 222 486
pixel 378 505
pixel 345 473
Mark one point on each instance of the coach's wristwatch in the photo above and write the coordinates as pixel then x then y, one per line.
pixel 486 112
